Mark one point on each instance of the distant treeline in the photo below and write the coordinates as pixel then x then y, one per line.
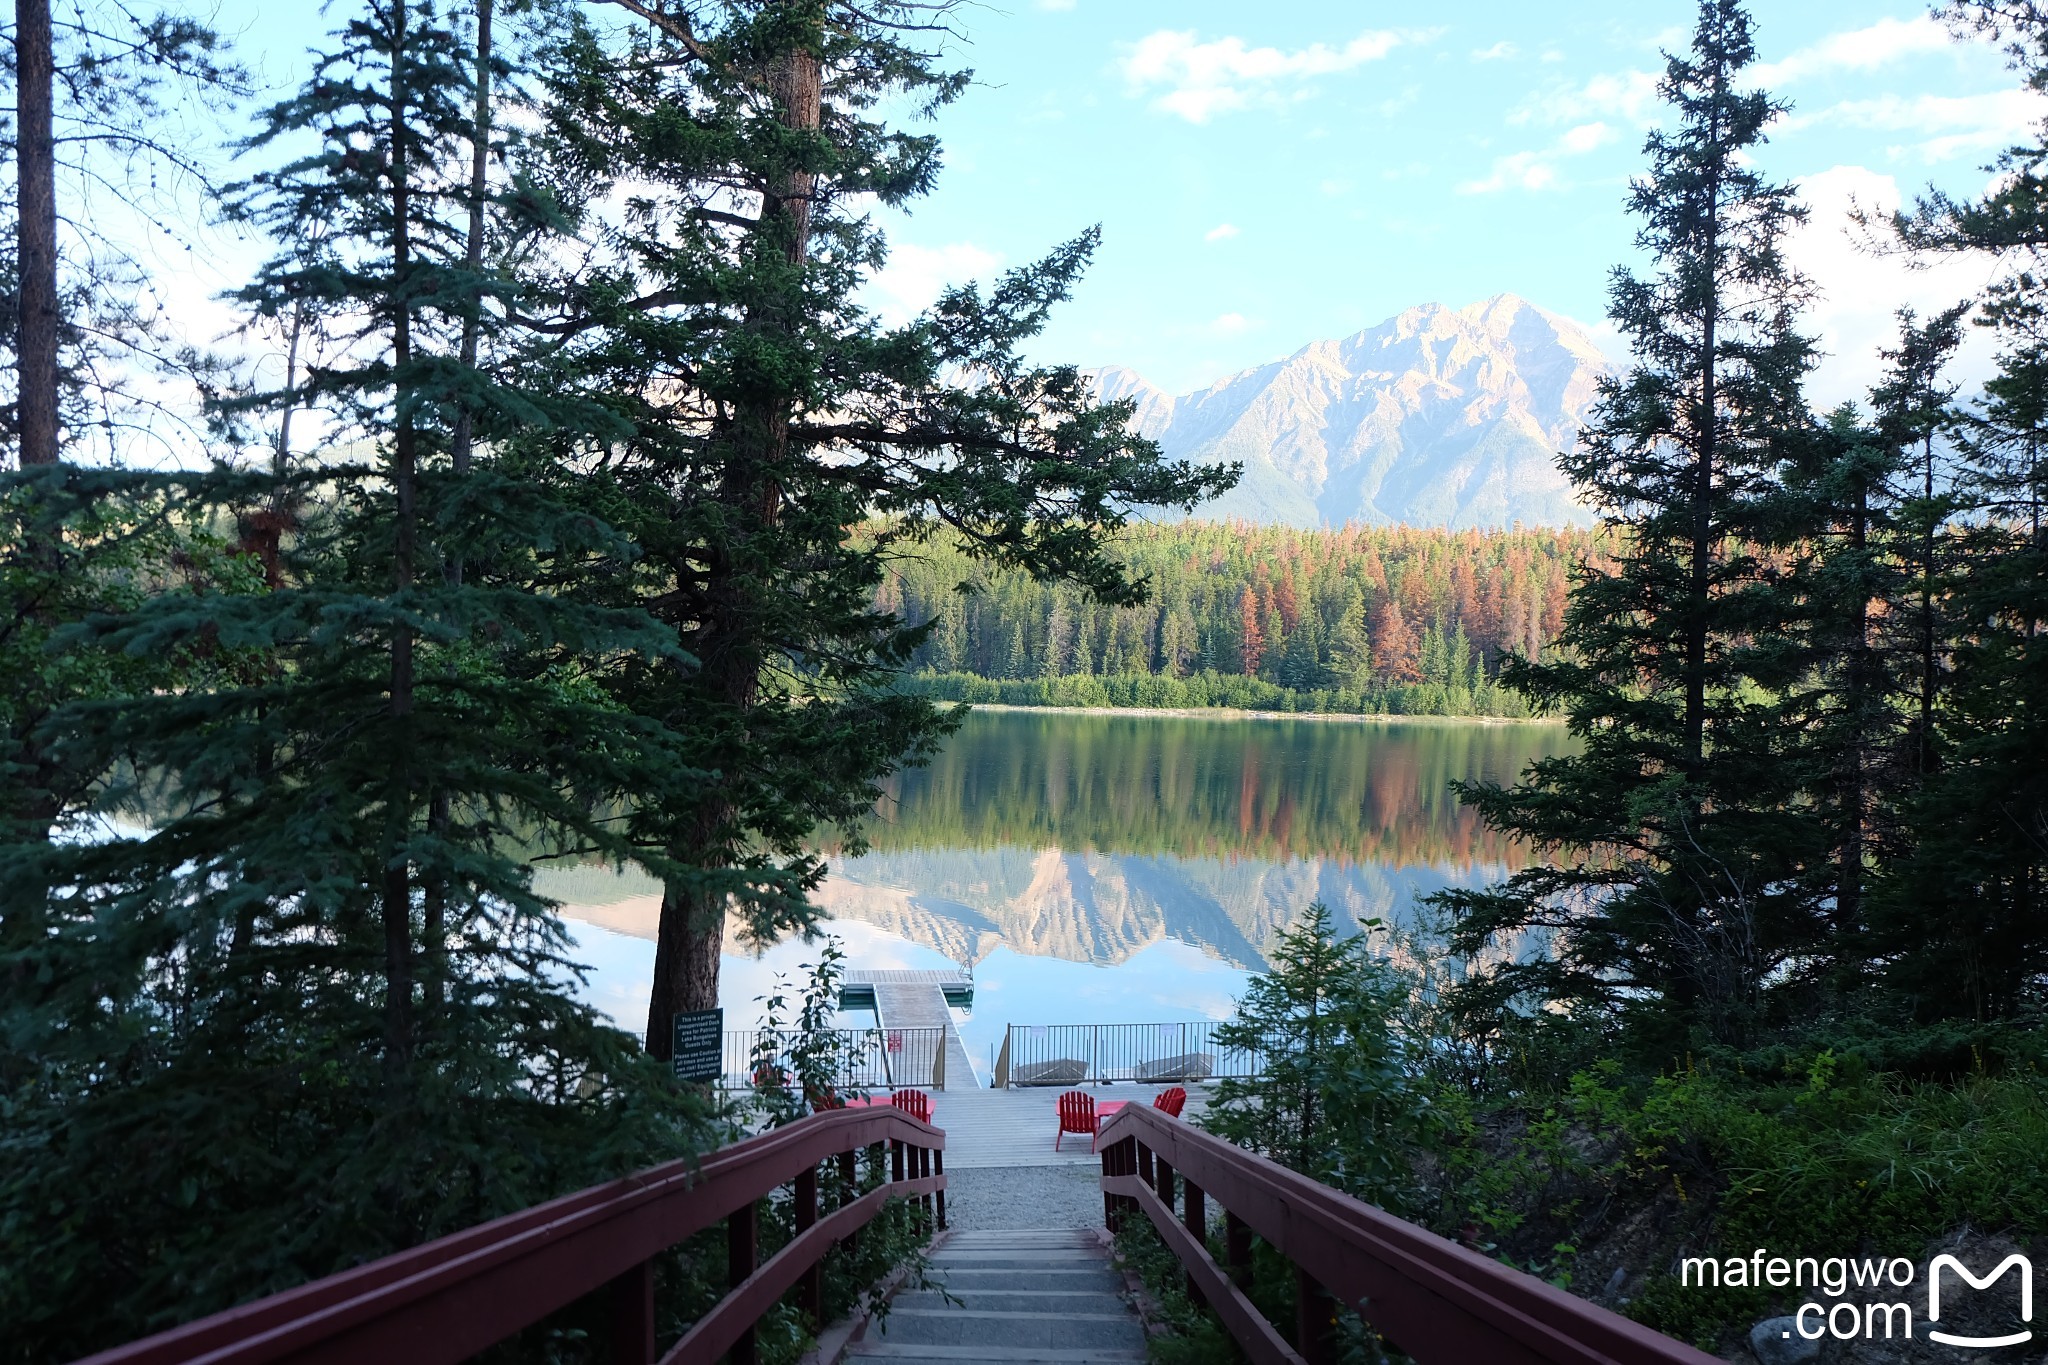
pixel 1386 619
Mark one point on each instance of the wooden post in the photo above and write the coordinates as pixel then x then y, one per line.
pixel 939 1168
pixel 1144 1162
pixel 924 1201
pixel 810 1290
pixel 1110 1155
pixel 1164 1184
pixel 632 1315
pixel 896 1160
pixel 1237 1249
pixel 849 1190
pixel 740 1242
pixel 1315 1321
pixel 1195 1218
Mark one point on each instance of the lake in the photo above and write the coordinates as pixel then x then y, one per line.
pixel 1095 868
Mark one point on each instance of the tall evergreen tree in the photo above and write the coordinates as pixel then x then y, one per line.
pixel 1973 891
pixel 769 413
pixel 1680 889
pixel 316 1012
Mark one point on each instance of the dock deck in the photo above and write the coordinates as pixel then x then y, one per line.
pixel 1014 1127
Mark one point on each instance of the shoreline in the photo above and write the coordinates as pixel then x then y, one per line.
pixel 1238 713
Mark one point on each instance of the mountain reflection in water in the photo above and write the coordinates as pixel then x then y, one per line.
pixel 1092 838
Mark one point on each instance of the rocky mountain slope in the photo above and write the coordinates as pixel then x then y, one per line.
pixel 1437 417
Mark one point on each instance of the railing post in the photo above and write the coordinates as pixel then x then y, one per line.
pixel 1164 1184
pixel 740 1242
pixel 1109 1169
pixel 1195 1218
pixel 896 1159
pixel 1237 1249
pixel 632 1314
pixel 810 1295
pixel 1144 1167
pixel 1315 1320
pixel 939 1168
pixel 1001 1077
pixel 924 1201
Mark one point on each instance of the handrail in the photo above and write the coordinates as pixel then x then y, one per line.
pixel 1439 1301
pixel 1162 1053
pixel 862 1058
pixel 442 1302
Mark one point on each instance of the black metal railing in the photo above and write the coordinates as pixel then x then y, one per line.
pixel 863 1059
pixel 1157 1054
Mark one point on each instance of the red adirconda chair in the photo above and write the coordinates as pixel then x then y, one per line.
pixel 1171 1102
pixel 1077 1115
pixel 915 1103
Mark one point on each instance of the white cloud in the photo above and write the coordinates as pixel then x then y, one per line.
pixel 1231 324
pixel 1537 170
pixel 1200 80
pixel 1948 125
pixel 1862 49
pixel 1499 52
pixel 1626 95
pixel 1860 291
pixel 915 276
pixel 1520 170
pixel 1222 232
pixel 1584 138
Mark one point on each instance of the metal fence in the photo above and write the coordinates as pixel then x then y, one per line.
pixel 868 1058
pixel 1071 1054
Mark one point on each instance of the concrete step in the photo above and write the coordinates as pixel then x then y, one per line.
pixel 967 1327
pixel 991 1355
pixel 1036 1295
pixel 1009 1300
pixel 1027 1259
pixel 1081 1279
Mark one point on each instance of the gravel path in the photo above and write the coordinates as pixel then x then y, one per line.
pixel 1024 1197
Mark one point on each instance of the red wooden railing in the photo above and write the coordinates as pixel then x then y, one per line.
pixel 1438 1301
pixel 443 1302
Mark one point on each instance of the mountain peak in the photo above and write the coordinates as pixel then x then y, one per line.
pixel 1435 417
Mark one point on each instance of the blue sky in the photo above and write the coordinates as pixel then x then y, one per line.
pixel 1269 175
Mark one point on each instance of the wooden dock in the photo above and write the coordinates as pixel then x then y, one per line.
pixel 918 999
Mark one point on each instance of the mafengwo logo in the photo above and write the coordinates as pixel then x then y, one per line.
pixel 2012 1262
pixel 1858 1313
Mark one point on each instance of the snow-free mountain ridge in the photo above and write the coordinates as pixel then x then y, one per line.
pixel 1437 417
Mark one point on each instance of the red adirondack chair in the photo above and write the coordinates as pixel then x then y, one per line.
pixel 1171 1101
pixel 1077 1115
pixel 915 1103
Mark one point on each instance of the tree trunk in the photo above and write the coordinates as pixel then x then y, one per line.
pixel 692 930
pixel 398 949
pixel 1861 689
pixel 434 903
pixel 1697 587
pixel 35 151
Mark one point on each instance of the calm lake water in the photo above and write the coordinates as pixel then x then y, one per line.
pixel 1113 869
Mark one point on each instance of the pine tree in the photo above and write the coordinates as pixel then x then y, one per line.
pixel 1396 654
pixel 768 413
pixel 1251 634
pixel 318 1013
pixel 1681 888
pixel 1973 890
